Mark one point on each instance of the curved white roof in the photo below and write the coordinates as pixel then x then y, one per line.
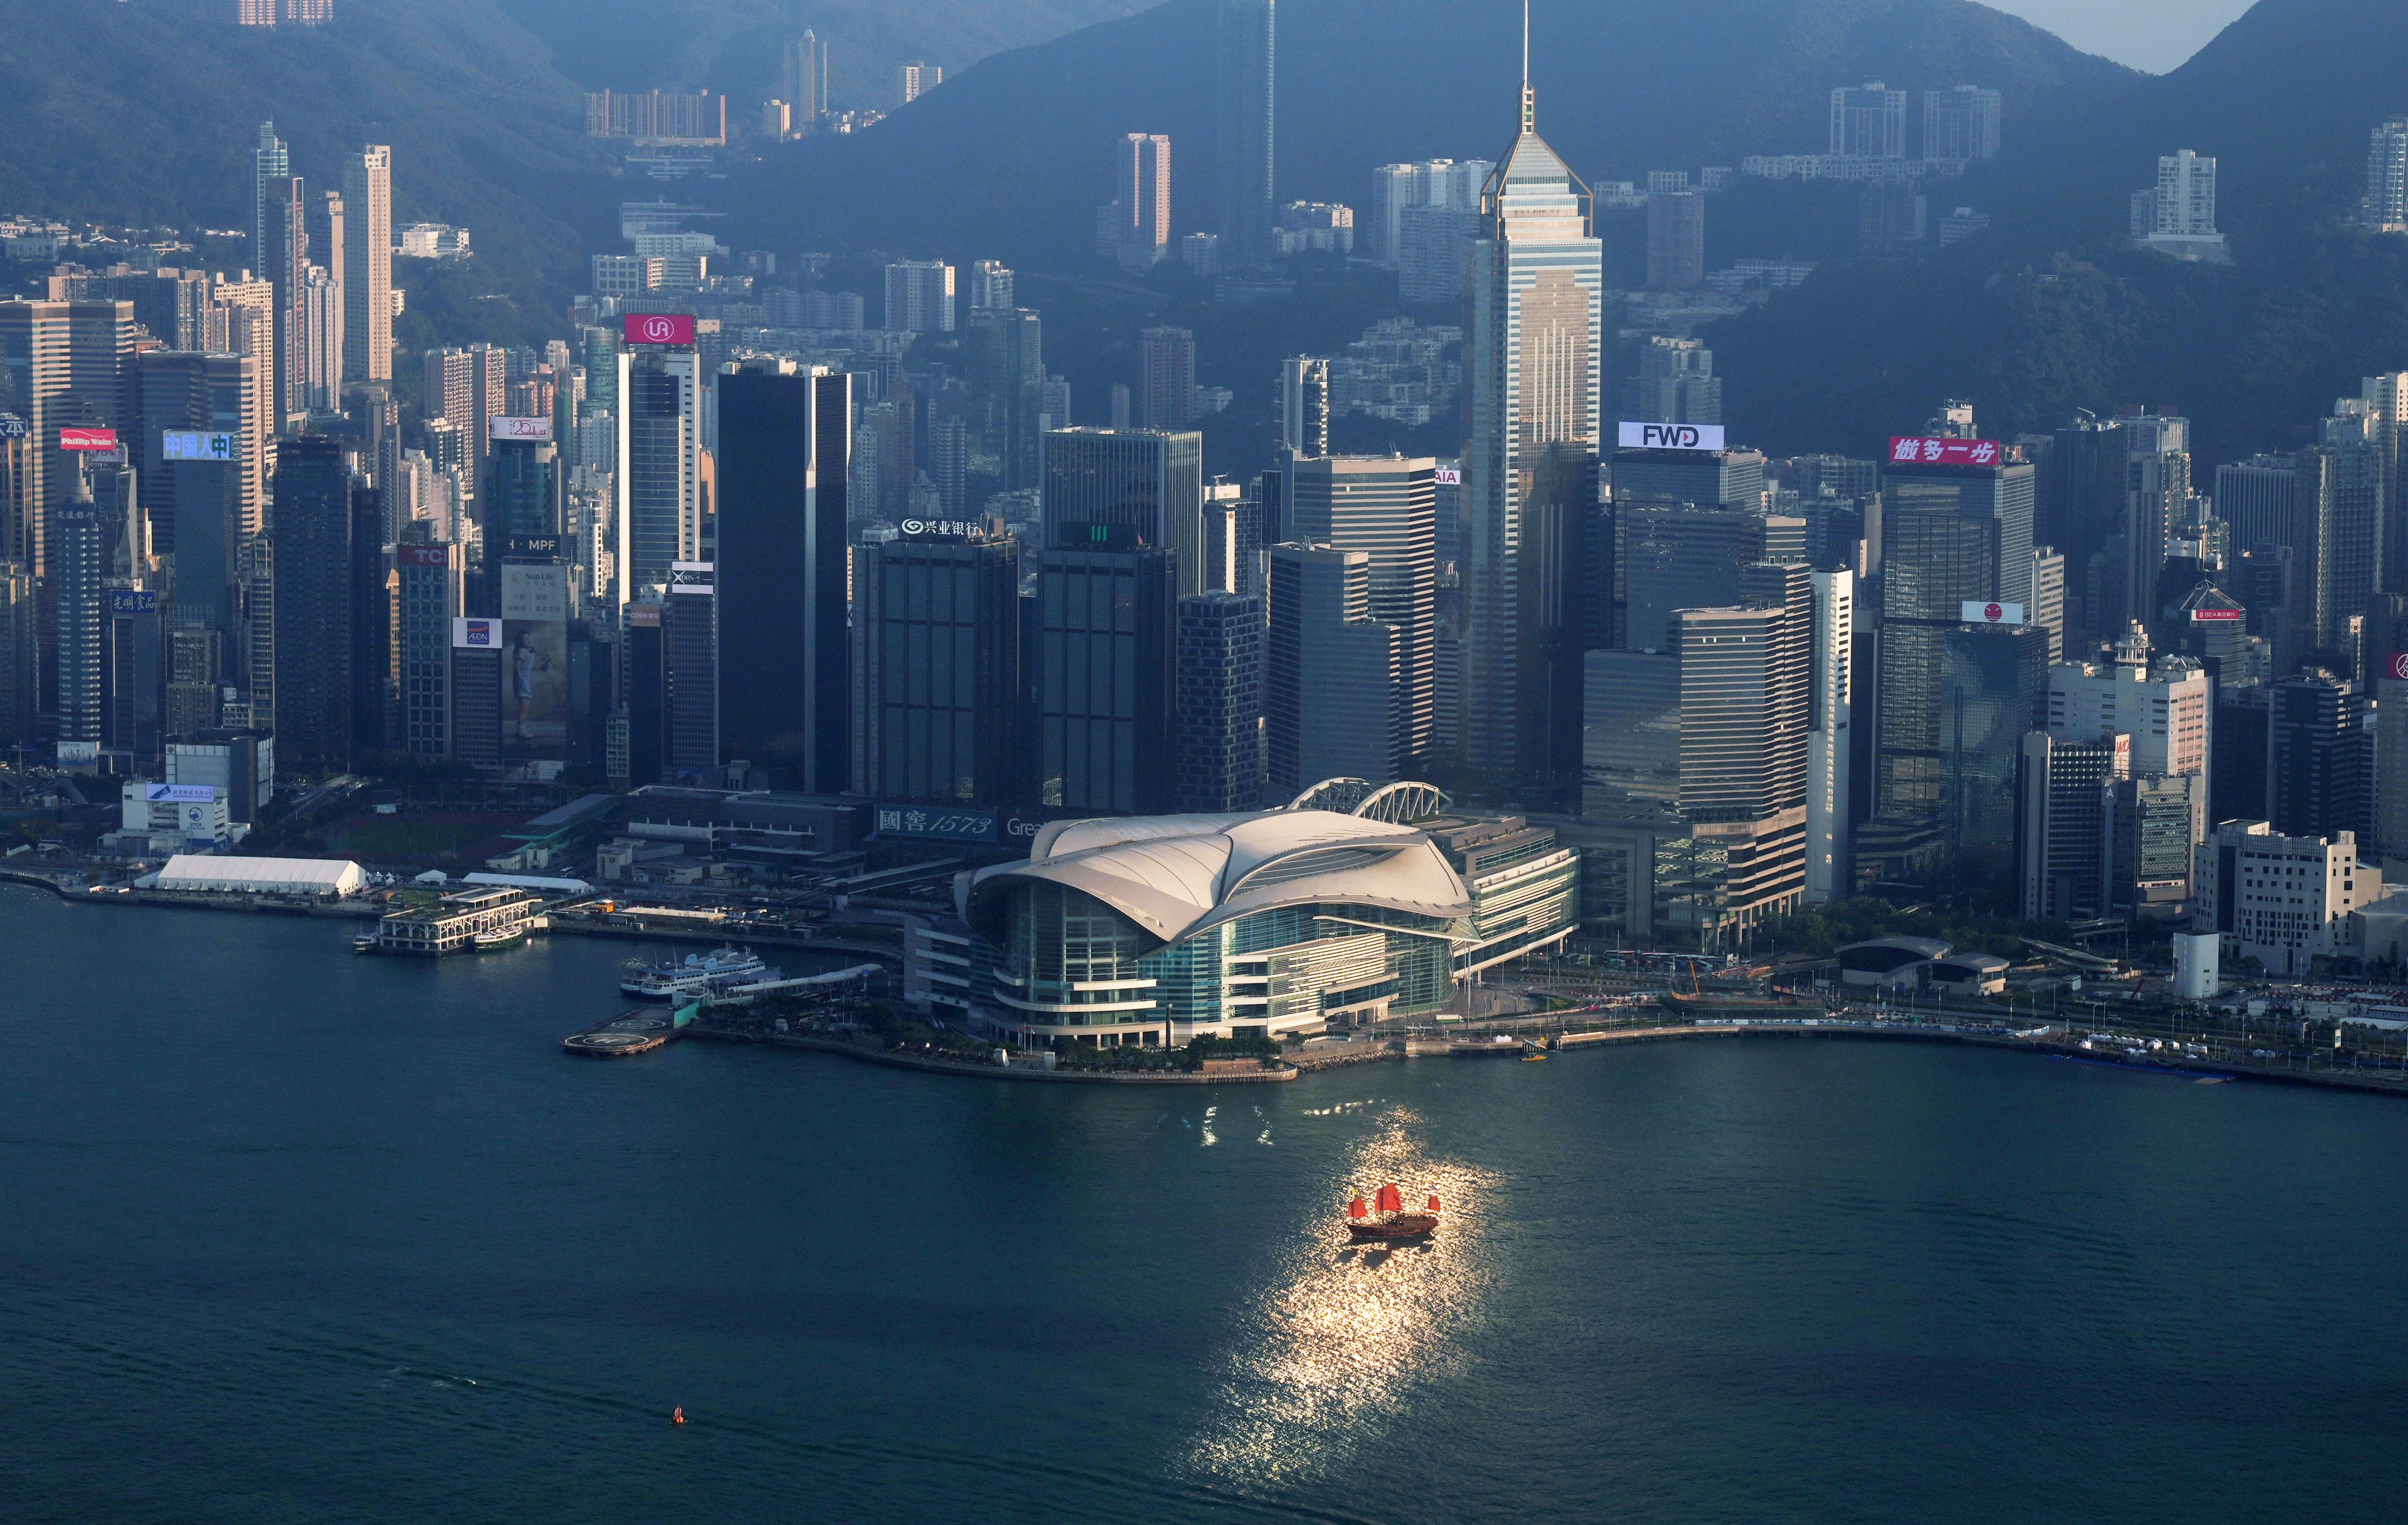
pixel 261 876
pixel 1176 875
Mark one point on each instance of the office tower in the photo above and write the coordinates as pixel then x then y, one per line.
pixel 63 365
pixel 1243 133
pixel 2164 704
pixel 689 645
pixel 1676 240
pixel 1233 539
pixel 637 739
pixel 368 265
pixel 133 649
pixel 1962 123
pixel 1385 505
pixel 1831 702
pixel 939 613
pixel 1106 676
pixel 2151 840
pixel 373 691
pixel 1003 366
pixel 1676 385
pixel 470 387
pixel 2062 826
pixel 1329 672
pixel 1165 378
pixel 1304 406
pixel 920 296
pixel 21 683
pixel 313 571
pixel 990 286
pixel 319 317
pixel 803 75
pixel 1868 122
pixel 1119 490
pixel 1220 744
pixel 523 487
pixel 2080 508
pixel 915 80
pixel 2319 757
pixel 203 501
pixel 270 162
pixel 285 266
pixel 1668 557
pixel 2177 215
pixel 1745 696
pixel 659 515
pixel 785 695
pixel 1530 461
pixel 427 598
pixel 2158 490
pixel 1138 218
pixel 1952 535
pixel 2382 402
pixel 2045 610
pixel 1630 748
pixel 2385 210
pixel 1993 688
pixel 80 573
pixel 1728 479
pixel 2343 488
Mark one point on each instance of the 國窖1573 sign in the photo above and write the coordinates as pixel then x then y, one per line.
pixel 1672 435
pixel 659 328
pixel 1920 451
pixel 1980 612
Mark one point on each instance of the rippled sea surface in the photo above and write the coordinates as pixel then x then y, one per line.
pixel 289 1236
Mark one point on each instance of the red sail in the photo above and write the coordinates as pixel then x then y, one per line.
pixel 1356 1210
pixel 1433 1206
pixel 1391 1200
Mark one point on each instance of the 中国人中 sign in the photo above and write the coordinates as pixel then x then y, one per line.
pixel 1919 449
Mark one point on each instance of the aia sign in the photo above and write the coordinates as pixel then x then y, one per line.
pixel 659 328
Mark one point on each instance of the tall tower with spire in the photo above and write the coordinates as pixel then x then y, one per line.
pixel 1537 278
pixel 269 163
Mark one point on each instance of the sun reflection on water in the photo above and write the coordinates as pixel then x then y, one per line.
pixel 1345 1330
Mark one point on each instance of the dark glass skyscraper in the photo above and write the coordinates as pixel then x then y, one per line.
pixel 1245 118
pixel 785 665
pixel 1003 360
pixel 1127 490
pixel 940 623
pixel 1106 678
pixel 1220 747
pixel 314 574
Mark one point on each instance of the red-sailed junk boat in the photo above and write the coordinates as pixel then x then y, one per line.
pixel 1386 1216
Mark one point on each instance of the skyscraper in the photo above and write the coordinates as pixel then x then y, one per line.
pixel 286 266
pixel 1530 463
pixel 1127 490
pixel 1141 201
pixel 1165 378
pixel 470 387
pixel 2177 215
pixel 1676 240
pixel 920 296
pixel 1329 672
pixel 1304 406
pixel 1868 122
pixel 313 571
pixel 1676 383
pixel 1244 115
pixel 1107 674
pixel 2319 757
pixel 689 644
pixel 1385 505
pixel 802 77
pixel 785 689
pixel 939 616
pixel 1993 679
pixel 368 265
pixel 2387 177
pixel 658 479
pixel 62 365
pixel 1962 123
pixel 1831 700
pixel 269 163
pixel 1220 747
pixel 991 286
pixel 915 80
pixel 80 573
pixel 1003 364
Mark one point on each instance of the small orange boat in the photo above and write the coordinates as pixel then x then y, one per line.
pixel 1384 1216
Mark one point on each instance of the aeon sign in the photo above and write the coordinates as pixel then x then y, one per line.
pixel 1672 435
pixel 659 328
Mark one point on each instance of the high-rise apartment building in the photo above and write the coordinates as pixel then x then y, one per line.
pixel 784 700
pixel 368 265
pixel 1220 711
pixel 80 576
pixel 1530 461
pixel 658 478
pixel 1140 208
pixel 1868 122
pixel 63 365
pixel 1127 490
pixel 1441 185
pixel 938 615
pixel 2177 215
pixel 1385 505
pixel 915 80
pixel 270 162
pixel 1165 389
pixel 920 296
pixel 469 387
pixel 285 266
pixel 1329 672
pixel 1960 124
pixel 991 286
pixel 2387 177
pixel 1304 406
pixel 1244 116
pixel 1676 383
pixel 1676 240
pixel 313 571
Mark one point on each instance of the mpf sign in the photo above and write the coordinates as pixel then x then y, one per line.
pixel 1672 435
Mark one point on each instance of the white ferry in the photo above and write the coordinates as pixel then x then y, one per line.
pixel 716 973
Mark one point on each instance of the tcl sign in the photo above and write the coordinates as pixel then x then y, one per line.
pixel 421 556
pixel 660 328
pixel 1920 451
pixel 1672 435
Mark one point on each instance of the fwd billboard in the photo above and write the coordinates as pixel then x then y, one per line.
pixel 1672 435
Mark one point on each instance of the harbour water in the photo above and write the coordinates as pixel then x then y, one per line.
pixel 288 1234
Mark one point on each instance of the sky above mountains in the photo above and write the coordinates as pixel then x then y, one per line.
pixel 2153 34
